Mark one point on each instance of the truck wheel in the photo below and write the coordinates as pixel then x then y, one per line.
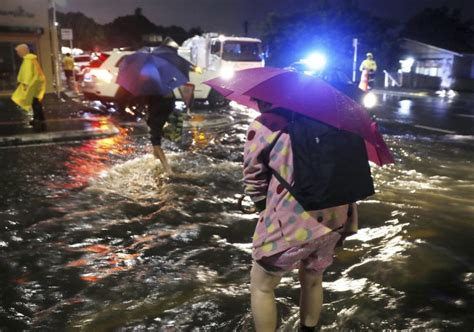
pixel 216 100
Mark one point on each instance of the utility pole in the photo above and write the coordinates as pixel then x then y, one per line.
pixel 55 47
pixel 355 43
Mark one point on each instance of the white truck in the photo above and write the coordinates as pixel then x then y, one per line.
pixel 219 55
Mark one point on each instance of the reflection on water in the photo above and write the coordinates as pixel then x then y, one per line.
pixel 405 106
pixel 89 159
pixel 113 244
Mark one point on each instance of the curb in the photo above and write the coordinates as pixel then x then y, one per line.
pixel 211 123
pixel 402 93
pixel 58 136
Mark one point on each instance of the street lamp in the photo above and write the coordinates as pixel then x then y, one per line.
pixel 55 46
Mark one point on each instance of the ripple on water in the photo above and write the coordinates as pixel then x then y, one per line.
pixel 135 250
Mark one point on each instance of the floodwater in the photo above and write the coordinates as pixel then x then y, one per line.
pixel 94 238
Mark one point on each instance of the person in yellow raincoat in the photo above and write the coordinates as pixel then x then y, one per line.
pixel 68 66
pixel 31 85
pixel 368 67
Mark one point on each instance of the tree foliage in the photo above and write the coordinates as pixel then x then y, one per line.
pixel 124 31
pixel 328 27
pixel 441 27
pixel 88 34
pixel 128 30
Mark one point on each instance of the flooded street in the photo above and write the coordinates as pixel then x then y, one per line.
pixel 94 238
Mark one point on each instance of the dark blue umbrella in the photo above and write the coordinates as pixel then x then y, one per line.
pixel 157 73
pixel 170 54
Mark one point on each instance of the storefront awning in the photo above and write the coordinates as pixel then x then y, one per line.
pixel 21 30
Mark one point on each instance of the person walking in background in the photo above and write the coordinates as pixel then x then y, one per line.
pixel 68 67
pixel 31 86
pixel 288 236
pixel 368 67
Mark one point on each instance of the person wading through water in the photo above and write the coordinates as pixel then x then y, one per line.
pixel 299 231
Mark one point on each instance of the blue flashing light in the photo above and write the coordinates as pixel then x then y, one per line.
pixel 315 61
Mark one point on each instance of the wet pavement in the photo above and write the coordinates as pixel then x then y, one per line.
pixel 65 121
pixel 95 238
pixel 427 115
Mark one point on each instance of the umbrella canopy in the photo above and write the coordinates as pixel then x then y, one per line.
pixel 306 95
pixel 171 55
pixel 234 89
pixel 156 73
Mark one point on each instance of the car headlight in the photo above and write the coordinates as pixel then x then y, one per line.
pixel 227 73
pixel 369 100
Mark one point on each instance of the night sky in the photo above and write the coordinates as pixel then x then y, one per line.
pixel 227 16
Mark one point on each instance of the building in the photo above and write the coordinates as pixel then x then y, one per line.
pixel 30 22
pixel 435 67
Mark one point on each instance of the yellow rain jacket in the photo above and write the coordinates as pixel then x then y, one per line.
pixel 31 82
pixel 68 63
pixel 368 64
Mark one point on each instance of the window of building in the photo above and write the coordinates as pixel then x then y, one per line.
pixel 429 67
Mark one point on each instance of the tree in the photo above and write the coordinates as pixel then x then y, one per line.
pixel 124 31
pixel 330 27
pixel 128 31
pixel 195 31
pixel 87 33
pixel 441 27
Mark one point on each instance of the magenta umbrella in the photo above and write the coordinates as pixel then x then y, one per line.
pixel 306 95
pixel 234 89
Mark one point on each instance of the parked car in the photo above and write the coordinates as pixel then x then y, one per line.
pixel 100 84
pixel 100 80
pixel 340 80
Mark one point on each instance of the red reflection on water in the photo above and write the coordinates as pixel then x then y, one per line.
pixel 97 248
pixel 90 278
pixel 23 280
pixel 92 157
pixel 76 263
pixel 100 261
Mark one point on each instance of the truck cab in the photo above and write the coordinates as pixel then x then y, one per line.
pixel 219 55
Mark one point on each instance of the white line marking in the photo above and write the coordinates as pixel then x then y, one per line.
pixel 466 115
pixel 436 129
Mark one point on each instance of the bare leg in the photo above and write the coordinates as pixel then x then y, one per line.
pixel 262 288
pixel 158 153
pixel 311 297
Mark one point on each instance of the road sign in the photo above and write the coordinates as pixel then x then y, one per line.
pixel 66 34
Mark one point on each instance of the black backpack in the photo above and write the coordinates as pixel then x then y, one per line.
pixel 330 165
